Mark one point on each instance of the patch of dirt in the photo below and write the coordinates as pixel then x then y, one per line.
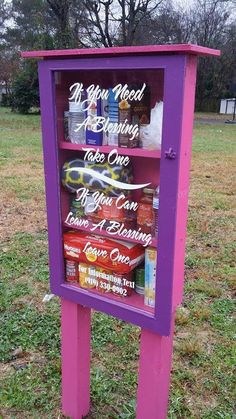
pixel 17 216
pixel 36 295
pixel 208 121
pixel 5 370
pixel 195 403
pixel 211 115
pixel 23 359
pixel 20 360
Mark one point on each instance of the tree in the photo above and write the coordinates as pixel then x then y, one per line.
pixel 32 29
pixel 25 90
pixel 33 26
pixel 205 22
pixel 169 25
pixel 49 24
pixel 69 16
pixel 61 11
pixel 116 22
pixel 212 19
pixel 9 66
pixel 4 12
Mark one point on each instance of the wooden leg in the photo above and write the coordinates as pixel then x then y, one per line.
pixel 75 336
pixel 154 375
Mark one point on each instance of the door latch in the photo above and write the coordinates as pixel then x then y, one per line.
pixel 170 154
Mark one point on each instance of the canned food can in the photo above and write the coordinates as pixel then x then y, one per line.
pixel 140 280
pixel 71 270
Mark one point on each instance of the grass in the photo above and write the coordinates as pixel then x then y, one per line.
pixel 202 378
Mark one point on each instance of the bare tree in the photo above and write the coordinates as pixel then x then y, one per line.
pixel 134 13
pixel 210 21
pixel 170 25
pixel 117 22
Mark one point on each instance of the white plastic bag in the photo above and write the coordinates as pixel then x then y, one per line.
pixel 151 134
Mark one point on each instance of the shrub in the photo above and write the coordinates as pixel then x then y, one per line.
pixel 25 89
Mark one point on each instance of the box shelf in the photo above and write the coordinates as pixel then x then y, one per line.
pixel 134 300
pixel 137 152
pixel 105 234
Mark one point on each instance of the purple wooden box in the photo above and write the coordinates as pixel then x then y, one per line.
pixel 170 167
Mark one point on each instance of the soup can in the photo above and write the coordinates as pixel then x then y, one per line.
pixel 140 280
pixel 71 270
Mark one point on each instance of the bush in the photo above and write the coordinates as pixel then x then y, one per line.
pixel 25 89
pixel 6 100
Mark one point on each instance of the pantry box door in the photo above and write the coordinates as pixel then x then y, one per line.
pixel 179 82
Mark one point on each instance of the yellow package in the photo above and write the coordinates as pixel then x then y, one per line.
pixel 150 276
pixel 84 278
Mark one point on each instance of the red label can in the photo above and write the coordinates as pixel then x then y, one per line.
pixel 71 270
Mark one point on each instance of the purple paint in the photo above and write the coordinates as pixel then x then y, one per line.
pixel 175 83
pixel 179 64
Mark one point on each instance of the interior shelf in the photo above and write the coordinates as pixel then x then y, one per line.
pixel 137 152
pixel 105 234
pixel 136 300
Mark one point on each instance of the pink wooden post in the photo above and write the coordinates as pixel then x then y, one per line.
pixel 154 374
pixel 75 336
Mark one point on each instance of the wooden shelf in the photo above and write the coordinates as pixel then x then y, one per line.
pixel 105 234
pixel 137 152
pixel 135 300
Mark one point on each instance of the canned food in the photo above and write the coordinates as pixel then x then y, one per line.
pixel 111 211
pixel 71 270
pixel 140 280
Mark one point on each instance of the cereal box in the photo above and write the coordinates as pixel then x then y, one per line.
pixel 150 276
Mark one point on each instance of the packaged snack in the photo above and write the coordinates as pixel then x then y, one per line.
pixel 125 139
pixel 73 177
pixel 104 284
pixel 85 279
pixel 120 257
pixel 122 285
pixel 141 109
pixel 150 276
pixel 135 112
pixel 105 281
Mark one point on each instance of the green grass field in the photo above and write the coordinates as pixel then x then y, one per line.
pixel 202 378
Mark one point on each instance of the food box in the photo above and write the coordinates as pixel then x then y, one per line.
pixel 150 276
